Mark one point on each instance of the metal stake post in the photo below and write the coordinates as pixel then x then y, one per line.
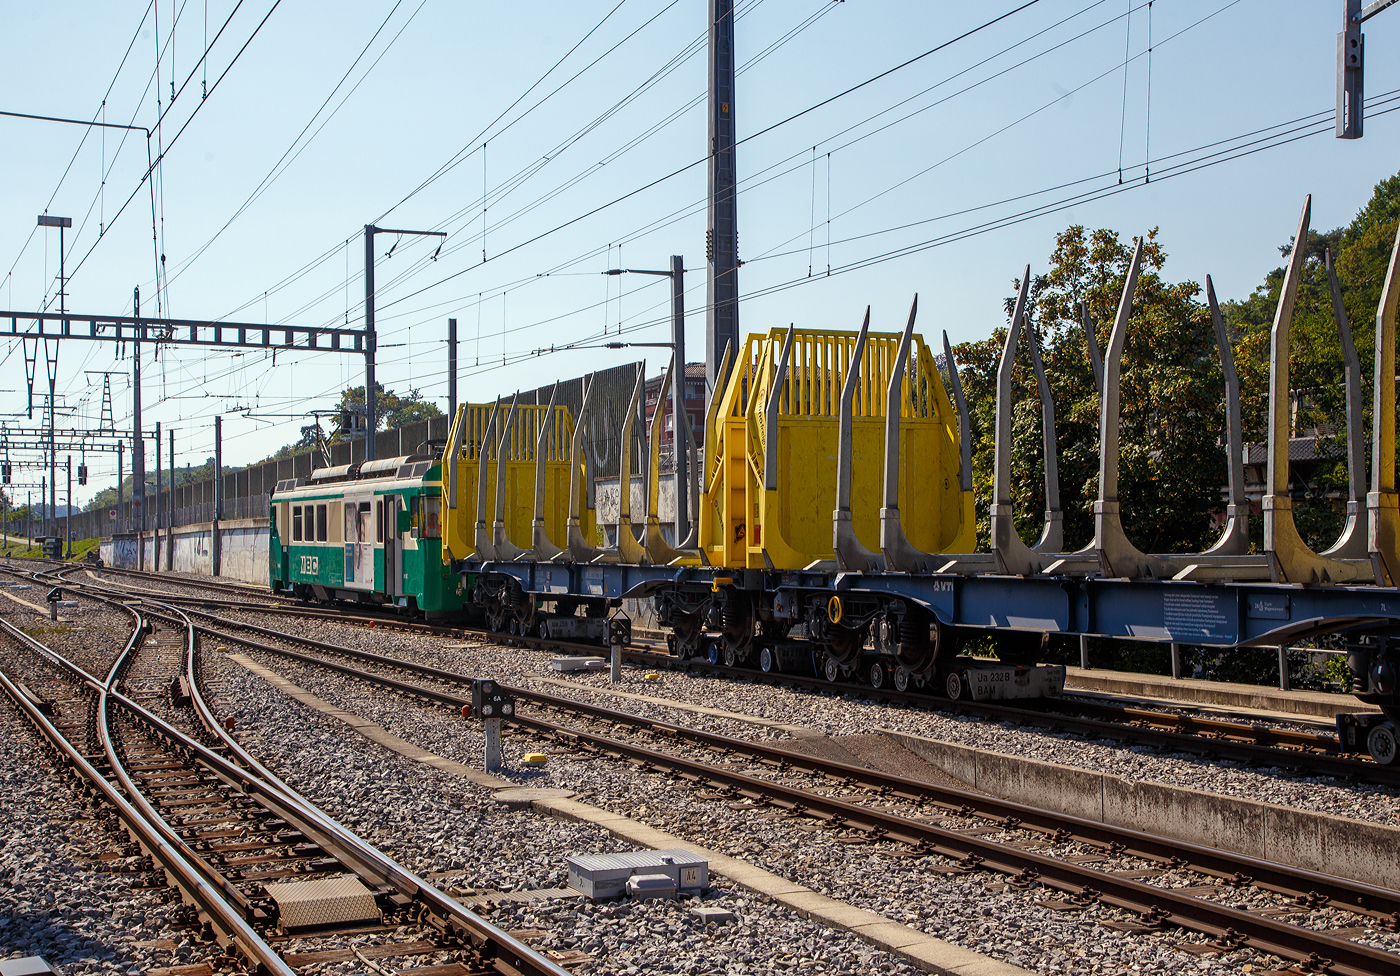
pixel 493 745
pixel 451 368
pixel 1283 667
pixel 155 534
pixel 1084 651
pixel 370 338
pixel 138 446
pixel 679 413
pixel 1176 661
pixel 170 536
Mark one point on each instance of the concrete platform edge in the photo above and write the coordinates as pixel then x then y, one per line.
pixel 1327 844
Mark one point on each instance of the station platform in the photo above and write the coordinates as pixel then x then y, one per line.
pixel 1260 698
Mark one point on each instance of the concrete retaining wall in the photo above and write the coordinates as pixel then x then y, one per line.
pixel 1339 846
pixel 243 546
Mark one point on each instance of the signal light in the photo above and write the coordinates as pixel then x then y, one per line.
pixel 5 472
pixel 82 474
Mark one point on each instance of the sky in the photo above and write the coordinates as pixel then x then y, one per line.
pixel 552 141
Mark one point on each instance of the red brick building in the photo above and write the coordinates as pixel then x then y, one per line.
pixel 694 405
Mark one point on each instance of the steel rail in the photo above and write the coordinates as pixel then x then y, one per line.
pixel 1262 933
pixel 508 954
pixel 1217 738
pixel 198 891
pixel 1050 715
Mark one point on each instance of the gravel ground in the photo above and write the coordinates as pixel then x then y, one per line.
pixel 90 634
pixel 433 823
pixel 850 713
pixel 53 901
pixel 978 911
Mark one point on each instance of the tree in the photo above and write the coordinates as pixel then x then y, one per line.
pixel 391 410
pixel 1172 464
pixel 1361 254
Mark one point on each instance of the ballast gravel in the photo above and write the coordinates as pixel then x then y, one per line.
pixel 436 824
pixel 977 911
pixel 850 713
pixel 83 916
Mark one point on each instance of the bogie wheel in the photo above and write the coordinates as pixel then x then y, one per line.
pixel 731 656
pixel 878 675
pixel 903 677
pixel 955 686
pixel 712 652
pixel 832 670
pixel 768 660
pixel 1383 744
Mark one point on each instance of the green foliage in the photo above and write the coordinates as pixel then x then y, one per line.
pixel 1171 465
pixel 1361 253
pixel 107 497
pixel 391 410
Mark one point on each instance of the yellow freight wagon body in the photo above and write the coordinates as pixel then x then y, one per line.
pixel 742 518
pixel 472 430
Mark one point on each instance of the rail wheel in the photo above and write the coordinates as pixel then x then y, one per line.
pixel 832 669
pixel 878 675
pixel 497 613
pixel 903 678
pixel 954 686
pixel 1383 744
pixel 768 660
pixel 712 652
pixel 687 635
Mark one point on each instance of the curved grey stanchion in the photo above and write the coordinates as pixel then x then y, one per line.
pixel 1116 553
pixel 851 555
pixel 1012 556
pixel 658 549
pixel 629 550
pixel 485 547
pixel 1234 539
pixel 580 549
pixel 901 555
pixel 505 549
pixel 1092 342
pixel 544 548
pixel 1351 543
pixel 1052 536
pixel 1291 560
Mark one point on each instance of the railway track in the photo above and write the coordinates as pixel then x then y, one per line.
pixel 1242 739
pixel 226 832
pixel 1035 849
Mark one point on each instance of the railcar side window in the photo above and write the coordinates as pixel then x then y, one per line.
pixel 352 523
pixel 415 514
pixel 379 520
pixel 296 523
pixel 321 535
pixel 432 512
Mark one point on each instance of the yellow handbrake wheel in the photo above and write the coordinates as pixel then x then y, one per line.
pixel 834 609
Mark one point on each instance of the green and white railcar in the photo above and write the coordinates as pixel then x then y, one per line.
pixel 366 533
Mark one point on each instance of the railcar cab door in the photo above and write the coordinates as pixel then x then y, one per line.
pixel 386 510
pixel 359 543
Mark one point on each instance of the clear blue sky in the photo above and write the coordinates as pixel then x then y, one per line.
pixel 1035 102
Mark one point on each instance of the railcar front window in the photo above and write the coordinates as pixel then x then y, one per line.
pixel 296 523
pixel 321 534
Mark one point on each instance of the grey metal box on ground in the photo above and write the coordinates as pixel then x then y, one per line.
pixel 605 875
